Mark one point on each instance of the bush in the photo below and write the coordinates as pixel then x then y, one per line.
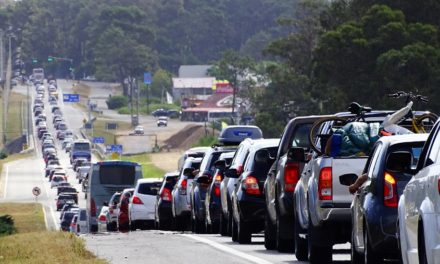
pixel 124 110
pixel 7 225
pixel 3 155
pixel 117 102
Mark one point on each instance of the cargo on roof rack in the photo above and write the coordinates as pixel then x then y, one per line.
pixel 233 135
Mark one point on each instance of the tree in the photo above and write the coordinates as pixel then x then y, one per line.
pixel 162 83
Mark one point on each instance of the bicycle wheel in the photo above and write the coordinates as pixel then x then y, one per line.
pixel 424 123
pixel 318 136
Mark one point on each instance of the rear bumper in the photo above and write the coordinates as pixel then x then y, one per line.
pixel 252 209
pixel 141 213
pixel 164 211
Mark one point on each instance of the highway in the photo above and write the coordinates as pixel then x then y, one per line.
pixel 152 246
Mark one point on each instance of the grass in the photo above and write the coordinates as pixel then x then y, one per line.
pixel 1 120
pixel 148 168
pixel 206 141
pixel 32 244
pixel 99 130
pixel 14 121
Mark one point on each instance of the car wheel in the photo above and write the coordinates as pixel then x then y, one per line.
pixel 244 235
pixel 317 254
pixel 356 257
pixel 422 248
pixel 234 230
pixel 215 227
pixel 270 241
pixel 200 227
pixel 369 255
pixel 301 249
pixel 179 224
pixel 283 245
pixel 133 226
pixel 223 225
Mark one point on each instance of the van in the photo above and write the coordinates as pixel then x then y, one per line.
pixel 104 179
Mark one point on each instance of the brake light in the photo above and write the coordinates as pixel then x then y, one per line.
pixel 182 187
pixel 250 185
pixel 291 176
pixel 166 195
pixel 216 190
pixel 92 207
pixel 325 184
pixel 137 200
pixel 102 218
pixel 389 191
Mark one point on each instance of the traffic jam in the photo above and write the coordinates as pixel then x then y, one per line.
pixel 365 177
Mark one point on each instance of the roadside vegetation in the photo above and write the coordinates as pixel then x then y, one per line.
pixel 100 130
pixel 31 243
pixel 206 141
pixel 149 170
pixel 14 127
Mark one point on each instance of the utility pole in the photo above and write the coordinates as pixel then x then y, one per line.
pixel 2 60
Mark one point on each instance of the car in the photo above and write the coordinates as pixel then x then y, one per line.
pixel 160 112
pixel 142 203
pixel 163 214
pixel 65 142
pixel 63 189
pixel 280 185
pixel 73 224
pixel 139 130
pixel 81 225
pixel 201 184
pixel 419 207
pixel 51 165
pixel 81 173
pixel 213 202
pixel 196 152
pixel 387 171
pixel 113 212
pixel 248 201
pixel 102 219
pixel 180 203
pixel 67 219
pixel 123 218
pixel 162 121
pixel 68 205
pixel 56 180
pixel 78 162
pixel 64 198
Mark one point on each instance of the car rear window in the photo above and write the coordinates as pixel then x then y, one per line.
pixel 117 174
pixel 300 137
pixel 149 188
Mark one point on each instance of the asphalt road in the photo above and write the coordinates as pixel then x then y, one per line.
pixel 152 246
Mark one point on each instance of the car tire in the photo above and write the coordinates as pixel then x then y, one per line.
pixel 244 234
pixel 301 246
pixel 234 231
pixel 317 254
pixel 369 255
pixel 270 242
pixel 356 257
pixel 200 227
pixel 179 223
pixel 133 226
pixel 215 227
pixel 422 246
pixel 223 225
pixel 283 245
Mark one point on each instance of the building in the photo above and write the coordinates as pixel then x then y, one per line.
pixel 194 71
pixel 196 88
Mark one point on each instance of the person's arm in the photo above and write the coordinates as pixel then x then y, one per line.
pixel 358 183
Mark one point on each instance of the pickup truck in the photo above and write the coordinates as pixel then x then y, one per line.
pixel 321 202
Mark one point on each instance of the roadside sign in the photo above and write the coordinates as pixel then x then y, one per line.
pixel 36 191
pixel 88 125
pixel 115 155
pixel 112 126
pixel 71 98
pixel 98 140
pixel 114 148
pixel 147 77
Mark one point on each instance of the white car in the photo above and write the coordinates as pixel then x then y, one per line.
pixel 139 130
pixel 141 208
pixel 162 121
pixel 419 207
pixel 56 181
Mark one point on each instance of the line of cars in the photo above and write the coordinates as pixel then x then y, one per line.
pixel 301 198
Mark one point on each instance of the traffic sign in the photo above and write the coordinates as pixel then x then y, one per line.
pixel 147 77
pixel 115 155
pixel 114 148
pixel 71 98
pixel 36 191
pixel 98 140
pixel 112 126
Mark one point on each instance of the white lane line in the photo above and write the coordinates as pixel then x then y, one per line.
pixel 6 182
pixel 45 217
pixel 228 249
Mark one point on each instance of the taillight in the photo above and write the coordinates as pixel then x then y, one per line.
pixel 216 190
pixel 102 218
pixel 166 195
pixel 137 200
pixel 182 187
pixel 217 181
pixel 92 207
pixel 389 191
pixel 250 185
pixel 325 184
pixel 291 176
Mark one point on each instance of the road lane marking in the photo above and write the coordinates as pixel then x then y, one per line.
pixel 53 217
pixel 6 182
pixel 228 249
pixel 45 217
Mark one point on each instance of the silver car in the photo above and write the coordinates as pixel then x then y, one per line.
pixel 180 205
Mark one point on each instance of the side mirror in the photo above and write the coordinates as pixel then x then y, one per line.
pixel 347 179
pixel 231 173
pixel 105 203
pixel 296 154
pixel 220 164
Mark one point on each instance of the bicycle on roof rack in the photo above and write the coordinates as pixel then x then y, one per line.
pixel 422 123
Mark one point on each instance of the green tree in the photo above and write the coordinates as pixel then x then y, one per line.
pixel 161 83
